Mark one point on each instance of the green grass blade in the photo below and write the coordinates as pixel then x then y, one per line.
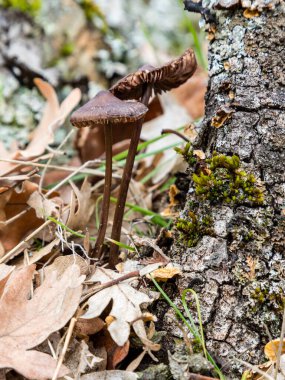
pixel 155 218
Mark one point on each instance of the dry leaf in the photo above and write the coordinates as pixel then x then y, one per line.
pixel 35 256
pixel 200 154
pixel 115 353
pixel 62 263
pixel 125 307
pixel 44 207
pixel 221 116
pixel 164 274
pixel 13 202
pixel 25 323
pixel 80 359
pixel 81 206
pixel 5 271
pixel 271 349
pixel 54 115
pixel 86 327
pixel 248 13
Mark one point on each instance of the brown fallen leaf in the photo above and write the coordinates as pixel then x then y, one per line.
pixel 25 323
pixel 81 360
pixel 81 206
pixel 271 349
pixel 13 202
pixel 126 303
pixel 115 353
pixel 164 274
pixel 86 327
pixel 43 207
pixel 54 115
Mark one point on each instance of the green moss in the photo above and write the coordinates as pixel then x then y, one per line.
pixel 222 180
pixel 27 6
pixel 193 229
pixel 67 49
pixel 259 295
pixel 187 153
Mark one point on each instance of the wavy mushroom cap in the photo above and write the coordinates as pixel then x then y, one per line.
pixel 164 78
pixel 106 109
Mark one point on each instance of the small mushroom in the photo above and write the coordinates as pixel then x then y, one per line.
pixel 163 78
pixel 139 86
pixel 105 110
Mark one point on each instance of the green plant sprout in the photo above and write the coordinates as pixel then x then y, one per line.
pixel 78 234
pixel 197 334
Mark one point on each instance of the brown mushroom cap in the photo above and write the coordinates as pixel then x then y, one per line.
pixel 164 78
pixel 106 109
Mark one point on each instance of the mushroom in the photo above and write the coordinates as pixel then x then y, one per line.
pixel 105 110
pixel 139 86
pixel 164 78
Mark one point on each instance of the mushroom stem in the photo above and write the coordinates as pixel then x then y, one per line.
pixel 120 207
pixel 127 175
pixel 107 193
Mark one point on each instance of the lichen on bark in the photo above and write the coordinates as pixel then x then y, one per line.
pixel 238 270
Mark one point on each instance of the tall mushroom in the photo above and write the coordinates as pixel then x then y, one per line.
pixel 105 110
pixel 139 86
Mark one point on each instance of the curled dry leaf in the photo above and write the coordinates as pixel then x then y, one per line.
pixel 54 115
pixel 35 256
pixel 84 327
pixel 125 307
pixel 25 323
pixel 13 202
pixel 81 206
pixel 79 359
pixel 164 274
pixel 43 207
pixel 271 349
pixel 200 154
pixel 16 201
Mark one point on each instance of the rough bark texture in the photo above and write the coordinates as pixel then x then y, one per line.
pixel 238 268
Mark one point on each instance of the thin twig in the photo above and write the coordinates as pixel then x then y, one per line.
pixel 22 243
pixel 174 132
pixel 51 158
pixel 108 284
pixel 61 183
pixel 65 346
pixel 96 172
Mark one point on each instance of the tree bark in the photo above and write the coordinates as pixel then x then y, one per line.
pixel 237 269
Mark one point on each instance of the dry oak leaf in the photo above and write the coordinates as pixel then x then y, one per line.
pixel 81 206
pixel 53 117
pixel 271 349
pixel 12 203
pixel 126 303
pixel 43 207
pixel 25 323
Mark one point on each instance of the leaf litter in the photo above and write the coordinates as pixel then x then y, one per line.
pixel 63 313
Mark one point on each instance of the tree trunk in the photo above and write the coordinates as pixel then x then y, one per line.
pixel 236 260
